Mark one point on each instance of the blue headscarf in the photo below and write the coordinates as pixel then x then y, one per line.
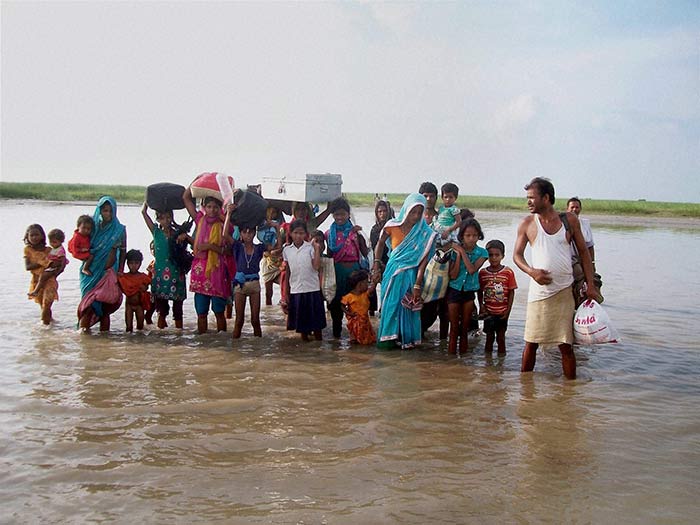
pixel 399 276
pixel 345 229
pixel 104 237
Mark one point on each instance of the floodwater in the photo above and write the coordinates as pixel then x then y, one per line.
pixel 170 427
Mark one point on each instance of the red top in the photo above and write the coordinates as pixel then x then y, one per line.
pixel 79 246
pixel 496 287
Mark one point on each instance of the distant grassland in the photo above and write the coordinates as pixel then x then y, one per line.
pixel 136 195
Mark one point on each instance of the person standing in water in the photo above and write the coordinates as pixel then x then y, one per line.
pixel 550 306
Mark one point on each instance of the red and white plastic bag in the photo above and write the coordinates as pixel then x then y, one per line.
pixel 592 325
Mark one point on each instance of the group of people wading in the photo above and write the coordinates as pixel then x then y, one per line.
pixel 227 265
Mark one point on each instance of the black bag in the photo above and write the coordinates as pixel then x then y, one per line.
pixel 251 209
pixel 165 196
pixel 179 252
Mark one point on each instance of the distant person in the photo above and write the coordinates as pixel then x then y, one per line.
pixel 135 285
pixel 35 261
pixel 430 192
pixel 79 245
pixel 466 260
pixel 356 308
pixel 573 205
pixel 550 307
pixel 448 217
pixel 497 287
pixel 57 261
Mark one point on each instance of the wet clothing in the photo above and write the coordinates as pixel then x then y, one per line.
pixel 359 325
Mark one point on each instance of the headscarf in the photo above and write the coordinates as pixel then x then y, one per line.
pixel 104 237
pixel 335 228
pixel 209 230
pixel 397 322
pixel 418 243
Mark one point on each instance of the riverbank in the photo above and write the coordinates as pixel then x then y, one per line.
pixel 135 195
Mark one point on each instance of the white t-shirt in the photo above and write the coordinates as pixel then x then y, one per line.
pixel 302 275
pixel 553 253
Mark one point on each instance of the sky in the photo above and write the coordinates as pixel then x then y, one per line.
pixel 603 98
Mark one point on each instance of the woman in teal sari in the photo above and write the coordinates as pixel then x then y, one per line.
pixel 100 291
pixel 412 244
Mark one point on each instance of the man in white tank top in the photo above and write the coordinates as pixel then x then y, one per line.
pixel 550 308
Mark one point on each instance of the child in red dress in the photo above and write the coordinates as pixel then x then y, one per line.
pixel 79 245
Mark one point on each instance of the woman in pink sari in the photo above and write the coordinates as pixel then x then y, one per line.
pixel 213 266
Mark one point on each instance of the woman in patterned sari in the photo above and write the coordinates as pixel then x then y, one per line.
pixel 412 243
pixel 100 291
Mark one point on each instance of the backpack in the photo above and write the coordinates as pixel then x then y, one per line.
pixel 579 285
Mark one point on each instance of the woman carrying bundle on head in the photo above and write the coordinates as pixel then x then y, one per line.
pixel 212 267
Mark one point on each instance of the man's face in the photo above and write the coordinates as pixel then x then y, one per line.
pixel 574 206
pixel 535 202
pixel 431 198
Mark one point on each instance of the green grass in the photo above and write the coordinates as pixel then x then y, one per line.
pixel 136 194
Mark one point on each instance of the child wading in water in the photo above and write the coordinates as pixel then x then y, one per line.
pixel 246 282
pixel 167 277
pixel 57 261
pixel 467 258
pixel 497 286
pixel 36 260
pixel 135 284
pixel 356 308
pixel 305 309
pixel 79 245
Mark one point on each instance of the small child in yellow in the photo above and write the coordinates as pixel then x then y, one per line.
pixel 356 307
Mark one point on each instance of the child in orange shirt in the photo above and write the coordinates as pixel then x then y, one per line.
pixel 135 284
pixel 356 307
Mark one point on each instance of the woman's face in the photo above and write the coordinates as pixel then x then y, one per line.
pixel 106 212
pixel 340 217
pixel 382 213
pixel 212 209
pixel 415 215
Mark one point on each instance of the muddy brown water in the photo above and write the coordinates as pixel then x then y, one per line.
pixel 170 427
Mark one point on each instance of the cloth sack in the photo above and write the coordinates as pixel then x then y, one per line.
pixel 592 325
pixel 327 276
pixel 436 277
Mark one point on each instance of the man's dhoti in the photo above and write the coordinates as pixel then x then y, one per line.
pixel 551 320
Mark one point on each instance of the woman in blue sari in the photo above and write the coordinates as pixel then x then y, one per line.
pixel 100 291
pixel 412 244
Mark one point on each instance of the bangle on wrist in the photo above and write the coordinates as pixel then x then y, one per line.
pixel 417 287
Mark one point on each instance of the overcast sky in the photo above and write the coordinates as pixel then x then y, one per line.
pixel 601 97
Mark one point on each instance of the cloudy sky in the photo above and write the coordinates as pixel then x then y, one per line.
pixel 601 97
